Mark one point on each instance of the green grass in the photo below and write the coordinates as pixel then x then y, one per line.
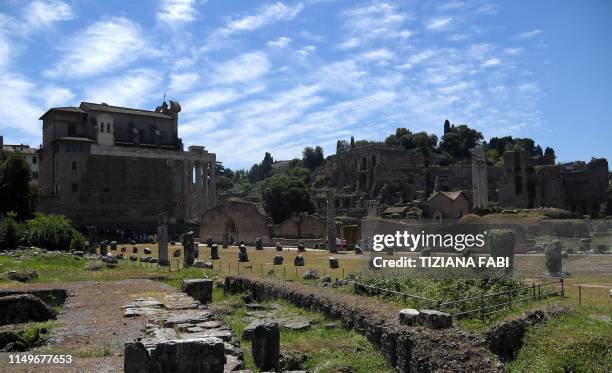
pixel 327 350
pixel 53 267
pixel 570 343
pixel 100 351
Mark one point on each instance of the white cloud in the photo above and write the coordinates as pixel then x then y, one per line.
pixel 209 99
pixel 382 54
pixel 513 51
pixel 491 62
pixel 177 11
pixel 439 24
pixel 281 42
pixel 528 34
pixel 374 21
pixel 183 82
pixel 103 46
pixel 132 89
pixel 246 67
pixel 20 111
pixel 42 14
pixel 56 96
pixel 266 14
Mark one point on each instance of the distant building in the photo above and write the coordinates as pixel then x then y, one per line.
pixel 117 168
pixel 451 205
pixel 30 155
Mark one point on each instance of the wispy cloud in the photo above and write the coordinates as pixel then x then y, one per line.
pixel 103 46
pixel 183 82
pixel 374 21
pixel 244 68
pixel 132 89
pixel 491 62
pixel 528 34
pixel 172 12
pixel 41 14
pixel 280 42
pixel 439 24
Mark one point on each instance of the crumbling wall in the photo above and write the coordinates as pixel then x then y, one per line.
pixel 408 349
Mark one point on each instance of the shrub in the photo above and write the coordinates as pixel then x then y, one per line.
pixel 10 233
pixel 52 232
pixel 570 228
pixel 77 242
pixel 501 243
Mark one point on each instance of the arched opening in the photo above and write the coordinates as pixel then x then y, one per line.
pixel 518 185
pixel 231 232
pixel 364 164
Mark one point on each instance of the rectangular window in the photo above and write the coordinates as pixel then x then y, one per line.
pixel 71 129
pixel 74 166
pixel 75 187
pixel 34 160
pixel 35 175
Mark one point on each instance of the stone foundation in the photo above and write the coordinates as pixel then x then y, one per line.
pixel 408 349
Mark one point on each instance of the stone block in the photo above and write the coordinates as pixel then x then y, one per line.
pixel 20 308
pixel 266 346
pixel 435 319
pixel 278 260
pixel 199 289
pixel 409 316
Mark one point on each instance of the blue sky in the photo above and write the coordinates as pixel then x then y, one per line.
pixel 277 76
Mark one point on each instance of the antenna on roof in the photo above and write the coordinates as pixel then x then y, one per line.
pixel 164 96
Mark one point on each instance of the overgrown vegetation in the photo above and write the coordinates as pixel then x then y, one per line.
pixel 326 350
pixel 18 196
pixel 52 232
pixel 570 343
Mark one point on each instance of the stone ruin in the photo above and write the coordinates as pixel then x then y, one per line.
pixel 259 243
pixel 278 260
pixel 301 247
pixel 333 262
pixel 189 248
pixel 242 255
pixel 552 252
pixel 181 335
pixel 279 247
pixel 298 261
pixel 162 241
pixel 266 346
pixel 214 252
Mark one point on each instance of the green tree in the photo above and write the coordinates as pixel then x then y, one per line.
pixel 284 195
pixel 261 171
pixel 459 140
pixel 17 196
pixel 313 157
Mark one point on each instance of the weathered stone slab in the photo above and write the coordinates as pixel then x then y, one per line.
pixel 20 308
pixel 266 346
pixel 409 316
pixel 199 289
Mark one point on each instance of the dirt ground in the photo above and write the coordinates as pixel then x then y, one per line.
pixel 90 322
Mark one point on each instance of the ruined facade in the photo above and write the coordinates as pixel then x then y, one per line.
pixel 395 176
pixel 116 167
pixel 578 187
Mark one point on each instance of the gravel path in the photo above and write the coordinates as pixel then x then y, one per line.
pixel 91 320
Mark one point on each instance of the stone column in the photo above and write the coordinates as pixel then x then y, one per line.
pixel 198 191
pixel 205 196
pixel 187 183
pixel 162 242
pixel 331 220
pixel 212 190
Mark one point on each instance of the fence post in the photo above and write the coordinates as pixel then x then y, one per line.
pixel 579 295
pixel 482 306
pixel 534 291
pixel 562 289
pixel 261 268
pixel 284 272
pixel 238 267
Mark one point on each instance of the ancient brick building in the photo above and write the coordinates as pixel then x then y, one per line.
pixel 116 167
pixel 395 176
